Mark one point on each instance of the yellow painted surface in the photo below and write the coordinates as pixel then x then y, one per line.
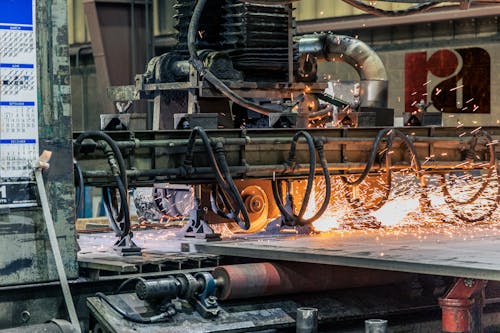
pixel 77 30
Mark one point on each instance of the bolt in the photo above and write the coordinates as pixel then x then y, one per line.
pixel 25 316
pixel 469 282
pixel 211 300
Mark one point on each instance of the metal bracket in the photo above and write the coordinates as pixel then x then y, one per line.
pixel 126 246
pixel 197 226
pixel 279 224
pixel 205 301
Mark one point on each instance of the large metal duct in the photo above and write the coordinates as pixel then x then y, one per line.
pixel 339 48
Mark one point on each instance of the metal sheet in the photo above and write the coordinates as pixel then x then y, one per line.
pixel 467 251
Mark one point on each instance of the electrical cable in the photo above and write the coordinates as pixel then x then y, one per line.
pixel 420 8
pixel 134 317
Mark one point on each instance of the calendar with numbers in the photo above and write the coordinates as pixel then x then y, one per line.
pixel 18 103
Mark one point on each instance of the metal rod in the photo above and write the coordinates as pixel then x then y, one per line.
pixel 279 169
pixel 55 249
pixel 270 140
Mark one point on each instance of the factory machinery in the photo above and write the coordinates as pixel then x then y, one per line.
pixel 245 134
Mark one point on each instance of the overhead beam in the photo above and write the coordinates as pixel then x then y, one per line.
pixel 370 21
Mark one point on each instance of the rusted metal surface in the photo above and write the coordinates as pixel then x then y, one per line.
pixel 268 279
pixel 462 306
pixel 468 251
pixel 24 246
pixel 233 320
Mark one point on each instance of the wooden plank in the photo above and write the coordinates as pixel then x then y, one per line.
pixel 107 265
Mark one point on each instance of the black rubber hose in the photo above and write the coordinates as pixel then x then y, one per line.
pixel 451 202
pixel 223 176
pixel 290 218
pixel 126 282
pixel 121 229
pixel 328 188
pixel 80 187
pixel 371 160
pixel 136 318
pixel 235 193
pixel 388 180
pixel 116 152
pixel 484 185
pixel 312 167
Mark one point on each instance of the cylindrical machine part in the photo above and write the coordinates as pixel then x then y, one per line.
pixel 54 326
pixel 374 93
pixel 456 314
pixel 366 62
pixel 266 279
pixel 307 320
pixel 375 326
pixel 167 287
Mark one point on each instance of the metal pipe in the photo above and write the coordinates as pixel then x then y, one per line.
pixel 268 279
pixel 307 320
pixel 54 326
pixel 366 62
pixel 376 326
pixel 137 143
pixel 280 170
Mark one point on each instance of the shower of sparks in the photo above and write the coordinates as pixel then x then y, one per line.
pixel 402 208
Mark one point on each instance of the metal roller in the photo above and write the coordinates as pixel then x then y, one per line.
pixel 267 279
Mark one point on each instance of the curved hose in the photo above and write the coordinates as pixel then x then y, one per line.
pixel 415 162
pixel 122 226
pixel 450 201
pixel 289 217
pixel 371 160
pixel 122 182
pixel 134 317
pixel 354 203
pixel 222 175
